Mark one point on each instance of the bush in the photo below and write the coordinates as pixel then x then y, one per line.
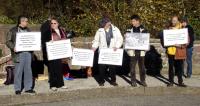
pixel 82 15
pixel 196 25
pixel 6 20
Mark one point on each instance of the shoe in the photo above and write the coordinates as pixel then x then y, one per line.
pixel 133 84
pixel 18 92
pixel 69 79
pixel 188 76
pixel 114 83
pixel 144 84
pixel 30 91
pixel 101 84
pixel 182 85
pixel 54 89
pixel 64 87
pixel 170 85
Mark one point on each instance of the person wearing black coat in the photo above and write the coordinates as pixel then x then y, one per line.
pixel 51 31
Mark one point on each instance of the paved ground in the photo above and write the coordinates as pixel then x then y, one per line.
pixel 181 100
pixel 89 83
pixel 86 92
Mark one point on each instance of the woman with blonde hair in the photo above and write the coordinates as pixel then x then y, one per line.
pixel 175 62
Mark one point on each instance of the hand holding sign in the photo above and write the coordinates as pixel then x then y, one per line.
pixel 28 41
pixel 175 36
pixel 111 57
pixel 59 49
pixel 137 41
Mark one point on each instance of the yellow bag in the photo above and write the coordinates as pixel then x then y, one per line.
pixel 171 50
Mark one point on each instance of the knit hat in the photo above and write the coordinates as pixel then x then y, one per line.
pixel 103 22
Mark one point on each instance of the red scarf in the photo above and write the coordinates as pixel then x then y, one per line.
pixel 56 37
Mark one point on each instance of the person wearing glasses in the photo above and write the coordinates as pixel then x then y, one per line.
pixel 23 78
pixel 55 33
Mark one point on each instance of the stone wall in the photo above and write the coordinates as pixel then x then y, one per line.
pixel 83 42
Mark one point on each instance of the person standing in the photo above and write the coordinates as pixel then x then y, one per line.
pixel 107 36
pixel 54 66
pixel 22 60
pixel 45 31
pixel 189 49
pixel 137 56
pixel 175 65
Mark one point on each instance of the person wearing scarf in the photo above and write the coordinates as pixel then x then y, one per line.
pixel 175 65
pixel 54 66
pixel 107 36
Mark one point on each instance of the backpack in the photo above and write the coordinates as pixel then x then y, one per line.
pixel 153 61
pixel 9 75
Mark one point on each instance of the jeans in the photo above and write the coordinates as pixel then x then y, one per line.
pixel 23 69
pixel 189 61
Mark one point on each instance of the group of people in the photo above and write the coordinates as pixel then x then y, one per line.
pixel 23 76
pixel 177 54
pixel 107 36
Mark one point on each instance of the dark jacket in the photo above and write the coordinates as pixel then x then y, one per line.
pixel 137 29
pixel 11 41
pixel 47 36
pixel 45 32
pixel 191 36
pixel 161 34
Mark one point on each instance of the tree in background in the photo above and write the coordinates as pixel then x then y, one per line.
pixel 82 16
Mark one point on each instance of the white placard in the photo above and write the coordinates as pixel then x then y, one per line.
pixel 28 41
pixel 59 49
pixel 137 41
pixel 83 57
pixel 111 57
pixel 175 36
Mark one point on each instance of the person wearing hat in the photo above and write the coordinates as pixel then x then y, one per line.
pixel 189 49
pixel 22 60
pixel 107 36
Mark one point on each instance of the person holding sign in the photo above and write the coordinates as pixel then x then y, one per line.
pixel 107 36
pixel 22 60
pixel 137 55
pixel 54 66
pixel 176 55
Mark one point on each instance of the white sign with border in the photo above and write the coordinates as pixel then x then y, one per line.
pixel 137 41
pixel 59 49
pixel 175 36
pixel 111 57
pixel 28 41
pixel 83 57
